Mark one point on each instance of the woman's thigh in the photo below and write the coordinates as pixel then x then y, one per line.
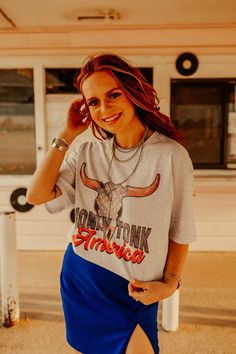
pixel 139 343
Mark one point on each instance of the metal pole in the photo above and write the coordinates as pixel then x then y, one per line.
pixel 9 288
pixel 170 312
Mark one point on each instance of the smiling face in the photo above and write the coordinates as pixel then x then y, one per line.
pixel 109 107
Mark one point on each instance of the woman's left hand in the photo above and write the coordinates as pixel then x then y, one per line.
pixel 149 292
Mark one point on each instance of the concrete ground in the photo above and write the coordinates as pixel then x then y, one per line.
pixel 207 307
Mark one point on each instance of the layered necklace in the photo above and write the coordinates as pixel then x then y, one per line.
pixel 137 148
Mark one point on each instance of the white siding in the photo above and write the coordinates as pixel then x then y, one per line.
pixel 215 214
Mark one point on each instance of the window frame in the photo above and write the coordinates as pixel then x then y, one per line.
pixel 224 82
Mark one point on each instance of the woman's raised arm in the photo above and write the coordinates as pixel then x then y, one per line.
pixel 42 187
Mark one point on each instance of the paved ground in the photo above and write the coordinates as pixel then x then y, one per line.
pixel 207 306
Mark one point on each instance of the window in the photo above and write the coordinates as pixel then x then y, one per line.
pixel 17 125
pixel 200 109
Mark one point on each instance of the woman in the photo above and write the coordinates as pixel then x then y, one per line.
pixel 132 193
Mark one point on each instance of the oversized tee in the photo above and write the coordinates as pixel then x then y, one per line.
pixel 127 208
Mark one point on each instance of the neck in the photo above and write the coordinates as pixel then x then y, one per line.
pixel 132 138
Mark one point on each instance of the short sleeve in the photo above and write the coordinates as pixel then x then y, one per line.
pixel 182 226
pixel 66 183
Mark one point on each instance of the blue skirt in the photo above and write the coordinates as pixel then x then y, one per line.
pixel 100 315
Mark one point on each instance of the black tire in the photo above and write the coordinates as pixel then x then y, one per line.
pixel 180 64
pixel 14 200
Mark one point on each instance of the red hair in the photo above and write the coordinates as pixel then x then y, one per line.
pixel 136 88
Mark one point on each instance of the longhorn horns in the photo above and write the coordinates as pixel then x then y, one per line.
pixel 144 191
pixel 131 191
pixel 89 182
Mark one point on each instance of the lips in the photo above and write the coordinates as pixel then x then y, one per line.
pixel 113 118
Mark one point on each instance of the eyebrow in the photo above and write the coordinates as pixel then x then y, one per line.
pixel 107 93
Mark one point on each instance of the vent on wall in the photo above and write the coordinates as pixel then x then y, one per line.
pixel 105 15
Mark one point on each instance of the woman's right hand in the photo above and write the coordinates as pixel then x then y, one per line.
pixel 78 118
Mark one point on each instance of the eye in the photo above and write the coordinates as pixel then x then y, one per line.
pixel 92 103
pixel 114 95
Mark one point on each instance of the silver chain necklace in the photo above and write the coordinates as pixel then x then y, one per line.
pixel 138 147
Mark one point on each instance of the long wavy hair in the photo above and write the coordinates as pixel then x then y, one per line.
pixel 137 89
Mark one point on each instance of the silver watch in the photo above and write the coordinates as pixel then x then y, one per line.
pixel 60 144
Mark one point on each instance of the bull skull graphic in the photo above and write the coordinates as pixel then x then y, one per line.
pixel 108 203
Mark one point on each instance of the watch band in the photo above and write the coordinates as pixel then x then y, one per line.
pixel 60 144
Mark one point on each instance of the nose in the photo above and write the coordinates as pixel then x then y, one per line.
pixel 105 105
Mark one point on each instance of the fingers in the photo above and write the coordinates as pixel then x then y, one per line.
pixel 130 289
pixel 135 292
pixel 77 107
pixel 149 292
pixel 77 104
pixel 78 113
pixel 140 284
pixel 139 295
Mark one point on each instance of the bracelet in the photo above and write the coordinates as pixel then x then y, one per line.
pixel 174 276
pixel 60 144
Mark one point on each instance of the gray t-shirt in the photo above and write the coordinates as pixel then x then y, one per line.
pixel 124 225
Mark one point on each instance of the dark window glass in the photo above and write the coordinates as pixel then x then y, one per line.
pixel 232 124
pixel 17 124
pixel 232 97
pixel 148 74
pixel 61 80
pixel 198 108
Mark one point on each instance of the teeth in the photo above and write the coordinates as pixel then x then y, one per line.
pixel 110 119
